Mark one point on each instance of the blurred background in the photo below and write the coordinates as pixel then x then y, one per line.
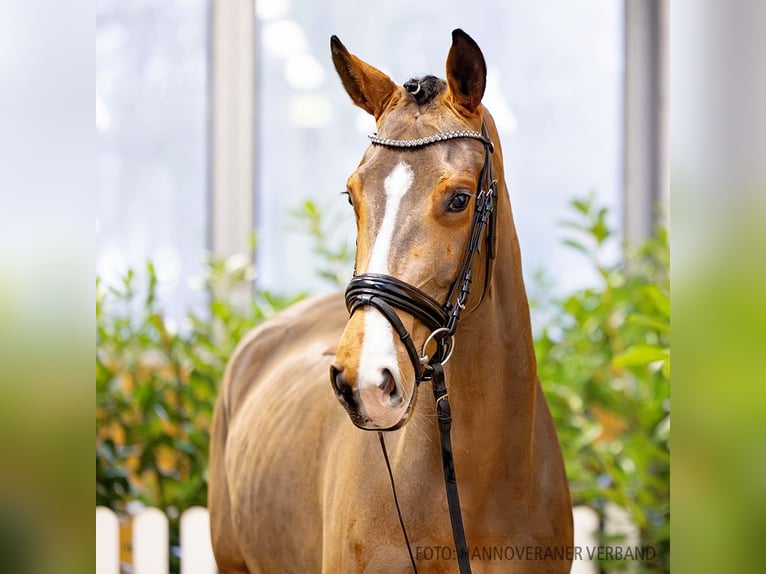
pixel 216 121
pixel 224 143
pixel 213 89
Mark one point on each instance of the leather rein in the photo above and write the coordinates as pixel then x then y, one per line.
pixel 386 294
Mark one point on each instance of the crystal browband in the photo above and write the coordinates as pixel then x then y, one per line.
pixel 420 142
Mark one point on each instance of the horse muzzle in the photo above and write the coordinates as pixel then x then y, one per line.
pixel 372 405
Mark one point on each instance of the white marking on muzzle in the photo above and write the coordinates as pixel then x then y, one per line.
pixel 378 349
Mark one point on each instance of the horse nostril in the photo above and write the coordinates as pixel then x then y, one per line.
pixel 337 379
pixel 341 385
pixel 387 378
pixel 388 386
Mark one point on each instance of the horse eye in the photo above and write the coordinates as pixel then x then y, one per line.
pixel 459 202
pixel 348 198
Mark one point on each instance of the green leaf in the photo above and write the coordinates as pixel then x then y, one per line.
pixel 599 230
pixel 576 245
pixel 583 205
pixel 640 355
pixel 649 322
pixel 660 300
pixel 666 368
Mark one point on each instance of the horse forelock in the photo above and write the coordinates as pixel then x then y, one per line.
pixel 423 107
pixel 424 89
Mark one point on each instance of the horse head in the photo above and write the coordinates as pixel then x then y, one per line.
pixel 414 194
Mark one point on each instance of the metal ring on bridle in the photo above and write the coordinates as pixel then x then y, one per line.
pixel 424 358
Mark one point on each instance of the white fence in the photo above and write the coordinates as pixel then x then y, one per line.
pixel 150 547
pixel 149 544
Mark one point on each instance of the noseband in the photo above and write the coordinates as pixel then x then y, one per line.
pixel 386 294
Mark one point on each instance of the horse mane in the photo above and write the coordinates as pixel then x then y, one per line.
pixel 425 89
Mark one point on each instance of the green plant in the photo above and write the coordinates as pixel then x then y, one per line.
pixel 604 363
pixel 335 262
pixel 603 355
pixel 156 384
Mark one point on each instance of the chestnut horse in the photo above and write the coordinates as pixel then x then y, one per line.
pixel 294 485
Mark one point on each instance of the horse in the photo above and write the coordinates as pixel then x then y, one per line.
pixel 296 483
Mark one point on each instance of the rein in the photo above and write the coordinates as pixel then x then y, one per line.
pixel 386 294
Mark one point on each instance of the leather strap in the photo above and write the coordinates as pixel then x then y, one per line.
pixel 397 293
pixel 396 502
pixel 444 416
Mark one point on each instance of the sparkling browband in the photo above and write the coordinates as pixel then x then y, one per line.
pixel 451 135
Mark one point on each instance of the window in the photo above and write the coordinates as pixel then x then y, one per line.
pixel 555 88
pixel 249 89
pixel 151 122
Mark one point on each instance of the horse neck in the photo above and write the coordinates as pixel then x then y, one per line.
pixel 497 340
pixel 492 378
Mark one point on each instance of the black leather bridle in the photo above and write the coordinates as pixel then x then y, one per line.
pixel 386 294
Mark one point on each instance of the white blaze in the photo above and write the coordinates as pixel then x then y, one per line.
pixel 378 350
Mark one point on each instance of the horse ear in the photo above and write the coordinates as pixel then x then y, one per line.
pixel 369 88
pixel 466 73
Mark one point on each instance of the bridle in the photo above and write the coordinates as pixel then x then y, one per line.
pixel 386 294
